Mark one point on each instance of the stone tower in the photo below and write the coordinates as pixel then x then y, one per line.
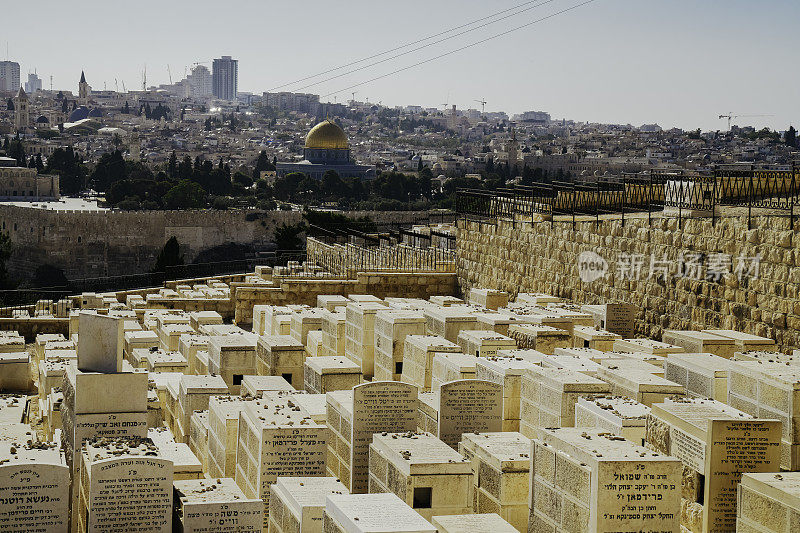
pixel 21 111
pixel 83 90
pixel 512 149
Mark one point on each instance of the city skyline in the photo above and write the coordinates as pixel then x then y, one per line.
pixel 719 57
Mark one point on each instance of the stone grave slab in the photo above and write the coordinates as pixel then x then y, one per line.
pixel 469 406
pixel 378 406
pixel 372 513
pixel 216 506
pixel 100 343
pixel 298 503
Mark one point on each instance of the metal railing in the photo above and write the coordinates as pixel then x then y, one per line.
pixel 678 192
pixel 347 260
pixel 35 299
pixel 26 303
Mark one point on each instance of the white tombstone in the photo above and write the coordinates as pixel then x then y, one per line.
pixel 100 343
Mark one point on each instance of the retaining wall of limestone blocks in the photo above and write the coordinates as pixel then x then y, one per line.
pixel 31 327
pixel 543 257
pixel 305 291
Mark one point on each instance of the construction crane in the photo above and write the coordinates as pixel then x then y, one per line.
pixel 116 84
pixel 123 87
pixel 730 116
pixel 483 105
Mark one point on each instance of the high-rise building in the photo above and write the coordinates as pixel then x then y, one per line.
pixel 225 78
pixel 199 82
pixel 33 84
pixel 533 117
pixel 286 101
pixel 9 76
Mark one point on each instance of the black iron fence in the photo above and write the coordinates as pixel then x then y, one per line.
pixel 347 260
pixel 20 303
pixel 680 193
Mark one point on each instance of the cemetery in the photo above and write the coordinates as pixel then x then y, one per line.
pixel 311 404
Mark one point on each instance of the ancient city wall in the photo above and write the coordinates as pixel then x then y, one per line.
pixel 111 243
pixel 543 257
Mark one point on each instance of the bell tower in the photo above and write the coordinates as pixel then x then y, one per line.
pixel 83 90
pixel 22 113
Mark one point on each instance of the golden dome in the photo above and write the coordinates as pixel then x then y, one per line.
pixel 327 135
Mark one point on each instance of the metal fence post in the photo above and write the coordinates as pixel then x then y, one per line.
pixel 791 197
pixel 573 207
pixel 597 202
pixel 750 201
pixel 714 197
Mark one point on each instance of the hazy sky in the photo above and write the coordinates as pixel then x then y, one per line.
pixel 675 62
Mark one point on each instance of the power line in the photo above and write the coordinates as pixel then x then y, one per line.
pixel 412 43
pixel 421 47
pixel 576 6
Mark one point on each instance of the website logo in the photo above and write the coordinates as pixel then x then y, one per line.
pixel 591 266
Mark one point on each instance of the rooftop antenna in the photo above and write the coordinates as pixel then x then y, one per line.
pixel 144 78
pixel 170 75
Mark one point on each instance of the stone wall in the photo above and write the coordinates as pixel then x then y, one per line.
pixel 30 327
pixel 305 291
pixel 544 257
pixel 90 244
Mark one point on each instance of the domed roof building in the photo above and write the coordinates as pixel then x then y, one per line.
pixel 326 148
pixel 327 135
pixel 79 113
